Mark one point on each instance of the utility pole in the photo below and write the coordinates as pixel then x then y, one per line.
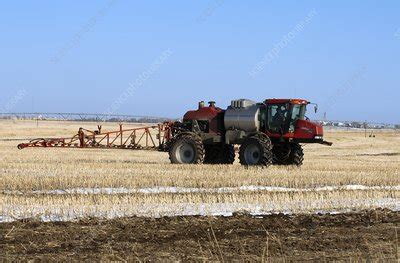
pixel 365 128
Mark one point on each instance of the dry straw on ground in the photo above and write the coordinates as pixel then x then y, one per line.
pixel 353 160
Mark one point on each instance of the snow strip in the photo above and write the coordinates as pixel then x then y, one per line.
pixel 180 190
pixel 47 213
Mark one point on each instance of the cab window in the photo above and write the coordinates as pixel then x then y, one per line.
pixel 277 116
pixel 298 113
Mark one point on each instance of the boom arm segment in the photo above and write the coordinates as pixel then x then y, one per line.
pixel 148 138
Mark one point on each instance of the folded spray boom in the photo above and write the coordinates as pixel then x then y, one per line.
pixel 149 137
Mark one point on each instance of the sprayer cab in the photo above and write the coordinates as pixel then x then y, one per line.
pixel 286 120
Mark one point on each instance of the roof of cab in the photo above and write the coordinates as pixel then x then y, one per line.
pixel 281 101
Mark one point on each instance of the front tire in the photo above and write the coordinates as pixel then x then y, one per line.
pixel 187 149
pixel 297 155
pixel 256 150
pixel 288 154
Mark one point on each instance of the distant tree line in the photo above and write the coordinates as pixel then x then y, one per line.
pixel 359 125
pixel 90 119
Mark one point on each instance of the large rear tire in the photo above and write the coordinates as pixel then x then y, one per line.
pixel 187 149
pixel 219 154
pixel 288 154
pixel 256 150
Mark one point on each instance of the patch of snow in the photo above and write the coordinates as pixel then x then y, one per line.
pixel 179 190
pixel 61 213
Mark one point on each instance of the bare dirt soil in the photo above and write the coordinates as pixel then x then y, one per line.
pixel 352 236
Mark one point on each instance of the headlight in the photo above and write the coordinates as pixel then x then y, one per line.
pixel 318 137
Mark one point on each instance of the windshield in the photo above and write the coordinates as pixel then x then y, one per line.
pixel 298 113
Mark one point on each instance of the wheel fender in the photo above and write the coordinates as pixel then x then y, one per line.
pixel 262 136
pixel 185 133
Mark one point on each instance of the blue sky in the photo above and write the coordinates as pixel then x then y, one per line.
pixel 90 56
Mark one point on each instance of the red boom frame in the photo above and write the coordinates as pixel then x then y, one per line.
pixel 134 138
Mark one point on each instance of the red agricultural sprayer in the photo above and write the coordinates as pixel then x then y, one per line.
pixel 270 132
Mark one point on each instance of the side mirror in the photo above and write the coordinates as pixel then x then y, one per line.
pixel 316 108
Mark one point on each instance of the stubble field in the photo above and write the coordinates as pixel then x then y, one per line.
pixel 354 176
